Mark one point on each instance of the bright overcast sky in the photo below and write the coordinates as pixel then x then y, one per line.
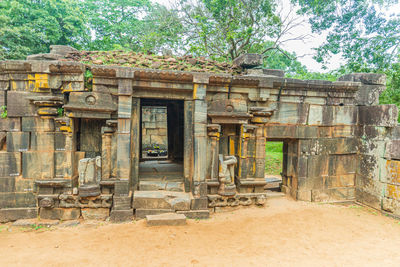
pixel 304 49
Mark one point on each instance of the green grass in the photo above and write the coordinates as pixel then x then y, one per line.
pixel 273 158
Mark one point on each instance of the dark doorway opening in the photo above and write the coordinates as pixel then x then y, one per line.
pixel 161 139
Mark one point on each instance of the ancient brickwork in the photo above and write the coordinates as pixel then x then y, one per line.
pixel 71 143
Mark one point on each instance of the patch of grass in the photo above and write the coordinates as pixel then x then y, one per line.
pixel 273 158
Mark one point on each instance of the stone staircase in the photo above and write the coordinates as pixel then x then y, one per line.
pixel 159 197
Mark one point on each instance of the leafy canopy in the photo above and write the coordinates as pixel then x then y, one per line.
pixel 30 27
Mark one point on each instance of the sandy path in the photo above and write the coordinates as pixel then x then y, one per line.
pixel 284 233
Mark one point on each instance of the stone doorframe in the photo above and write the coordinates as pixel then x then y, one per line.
pixel 188 143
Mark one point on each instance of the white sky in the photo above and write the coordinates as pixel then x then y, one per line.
pixel 304 49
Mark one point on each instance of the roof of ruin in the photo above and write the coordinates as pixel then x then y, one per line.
pixel 151 61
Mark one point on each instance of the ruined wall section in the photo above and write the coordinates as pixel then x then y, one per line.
pixel 317 120
pixel 377 181
pixel 36 152
pixel 321 148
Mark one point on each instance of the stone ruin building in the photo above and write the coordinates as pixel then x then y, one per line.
pixel 72 146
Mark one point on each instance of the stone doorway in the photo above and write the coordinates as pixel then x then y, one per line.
pixel 162 144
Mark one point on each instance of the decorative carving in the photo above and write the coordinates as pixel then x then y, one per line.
pixel 261 114
pixel 229 111
pixel 226 175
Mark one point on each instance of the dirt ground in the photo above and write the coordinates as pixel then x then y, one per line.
pixel 283 233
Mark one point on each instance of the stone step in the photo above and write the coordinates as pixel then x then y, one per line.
pixel 142 213
pixel 273 194
pixel 161 200
pixel 173 219
pixel 154 185
pixel 273 183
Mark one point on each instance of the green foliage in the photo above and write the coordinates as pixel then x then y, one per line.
pixel 115 24
pixel 273 158
pixel 30 27
pixel 88 80
pixel 3 112
pixel 392 94
pixel 365 36
pixel 225 29
pixel 60 112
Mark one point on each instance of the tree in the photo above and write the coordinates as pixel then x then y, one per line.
pixel 162 29
pixel 366 37
pixel 31 26
pixel 225 29
pixel 116 24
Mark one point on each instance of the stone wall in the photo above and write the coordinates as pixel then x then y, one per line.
pixel 154 127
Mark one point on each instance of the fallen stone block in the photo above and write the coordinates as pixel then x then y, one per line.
pixel 172 219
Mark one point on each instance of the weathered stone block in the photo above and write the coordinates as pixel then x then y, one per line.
pixel 371 199
pixel 60 141
pixel 291 113
pixel 18 104
pixel 318 166
pixel 345 180
pixel 196 214
pixel 90 105
pixel 37 124
pixel 13 214
pixel 59 213
pixel 382 115
pixel 7 184
pixel 38 165
pixel 17 141
pixel 342 164
pixel 365 78
pixel 123 155
pixel 63 164
pixel 393 149
pixel 42 141
pixel 332 115
pixel 125 87
pixel 99 214
pixel 122 203
pixel 10 124
pixel 141 213
pixel 10 163
pixel 199 203
pixel 248 60
pixel 118 216
pixel 124 107
pixel 25 199
pixel 161 200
